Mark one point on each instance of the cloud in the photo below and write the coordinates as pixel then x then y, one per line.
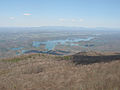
pixel 27 14
pixel 81 20
pixel 61 19
pixel 73 20
pixel 12 18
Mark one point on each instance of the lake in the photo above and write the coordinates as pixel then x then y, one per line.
pixel 50 45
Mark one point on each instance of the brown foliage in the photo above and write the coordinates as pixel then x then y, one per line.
pixel 46 72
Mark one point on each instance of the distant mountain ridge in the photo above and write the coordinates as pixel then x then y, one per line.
pixel 3 29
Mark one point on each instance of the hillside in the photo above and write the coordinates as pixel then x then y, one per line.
pixel 82 71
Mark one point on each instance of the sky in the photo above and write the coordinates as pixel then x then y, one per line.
pixel 78 13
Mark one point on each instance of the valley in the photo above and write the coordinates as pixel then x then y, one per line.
pixel 20 41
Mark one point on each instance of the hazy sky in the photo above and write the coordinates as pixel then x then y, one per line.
pixel 83 13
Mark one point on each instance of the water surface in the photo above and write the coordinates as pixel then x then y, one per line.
pixel 50 45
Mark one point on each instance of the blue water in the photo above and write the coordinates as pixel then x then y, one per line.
pixel 17 53
pixel 50 45
pixel 18 48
